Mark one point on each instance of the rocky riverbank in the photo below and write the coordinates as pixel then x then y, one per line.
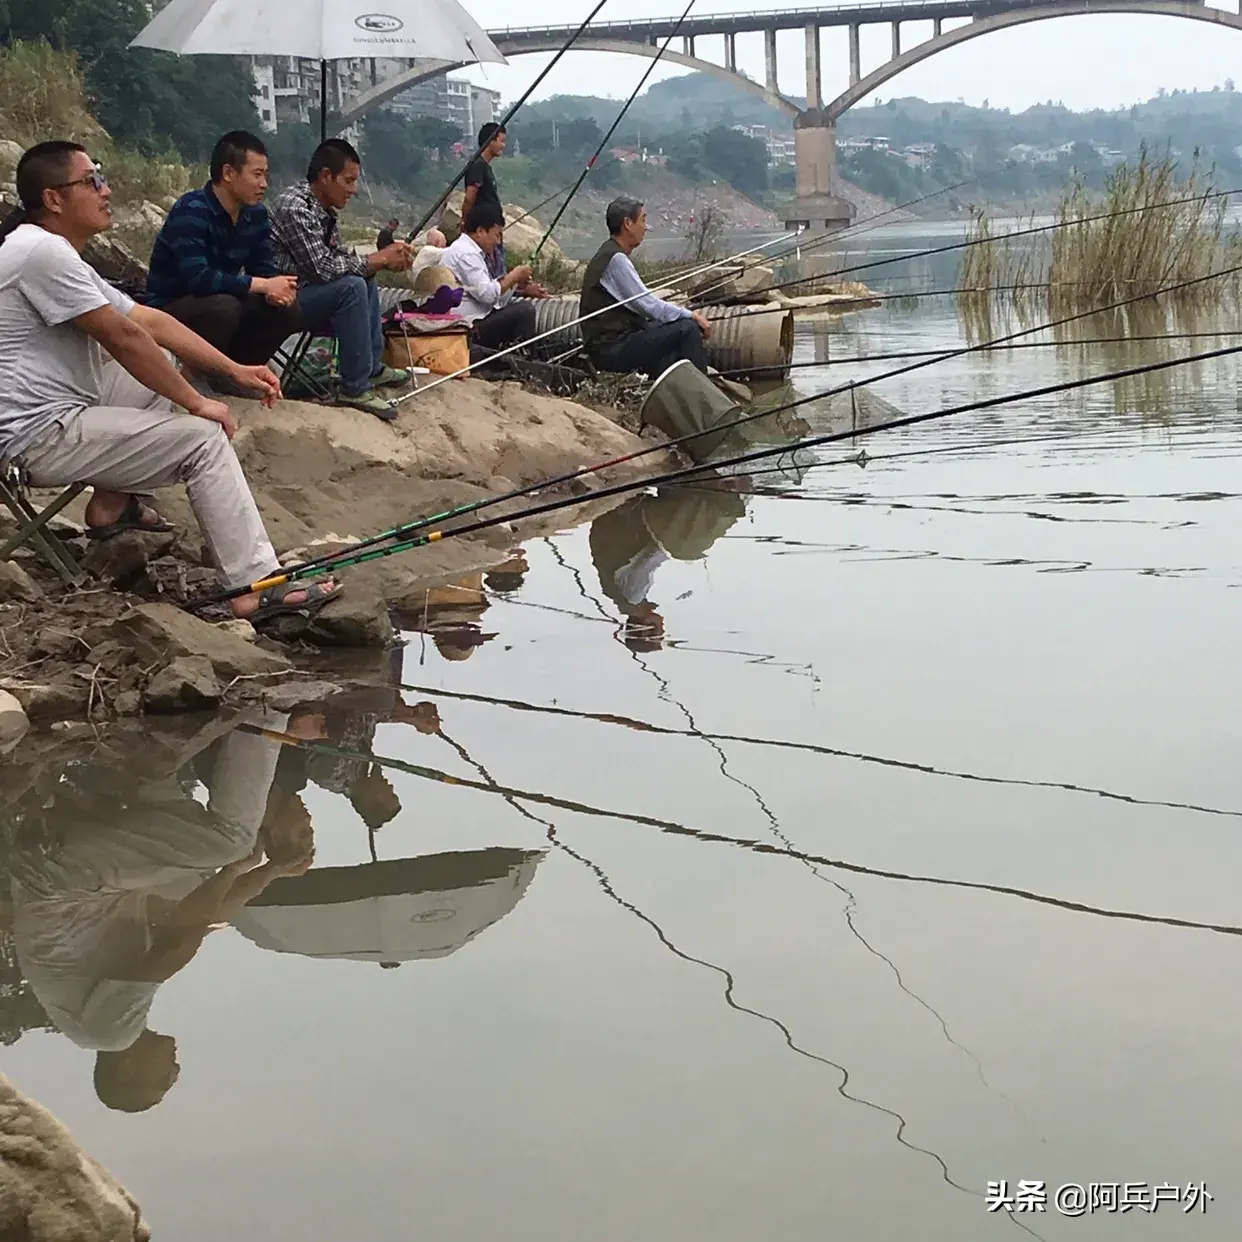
pixel 121 645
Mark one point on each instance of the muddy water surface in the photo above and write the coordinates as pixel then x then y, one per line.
pixel 787 864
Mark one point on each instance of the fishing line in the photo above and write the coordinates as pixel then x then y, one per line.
pixel 508 116
pixel 997 345
pixel 603 142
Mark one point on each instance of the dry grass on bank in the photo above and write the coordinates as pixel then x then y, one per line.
pixel 42 95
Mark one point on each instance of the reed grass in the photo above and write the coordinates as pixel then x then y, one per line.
pixel 1137 239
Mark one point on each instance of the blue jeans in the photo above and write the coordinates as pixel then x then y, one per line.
pixel 349 310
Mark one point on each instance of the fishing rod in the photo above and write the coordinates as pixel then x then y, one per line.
pixel 347 559
pixel 863 300
pixel 1000 345
pixel 503 353
pixel 715 838
pixel 612 129
pixel 401 532
pixel 1005 237
pixel 508 116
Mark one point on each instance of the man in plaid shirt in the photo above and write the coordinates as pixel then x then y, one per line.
pixel 336 293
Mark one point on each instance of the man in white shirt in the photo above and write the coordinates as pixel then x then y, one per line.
pixel 499 312
pixel 630 329
pixel 71 414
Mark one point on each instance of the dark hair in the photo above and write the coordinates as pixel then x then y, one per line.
pixel 233 150
pixel 484 215
pixel 394 222
pixel 619 211
pixel 332 155
pixel 43 167
pixel 488 132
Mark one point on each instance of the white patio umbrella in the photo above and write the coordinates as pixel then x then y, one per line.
pixel 321 30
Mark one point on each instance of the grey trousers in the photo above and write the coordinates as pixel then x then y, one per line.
pixel 135 441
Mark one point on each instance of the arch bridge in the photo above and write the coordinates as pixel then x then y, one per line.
pixel 815 123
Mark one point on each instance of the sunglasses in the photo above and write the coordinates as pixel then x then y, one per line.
pixel 96 180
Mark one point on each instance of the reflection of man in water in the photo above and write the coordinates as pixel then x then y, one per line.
pixel 631 542
pixel 120 891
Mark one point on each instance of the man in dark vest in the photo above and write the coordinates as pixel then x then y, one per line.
pixel 635 331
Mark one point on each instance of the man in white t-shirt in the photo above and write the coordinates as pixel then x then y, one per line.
pixel 69 413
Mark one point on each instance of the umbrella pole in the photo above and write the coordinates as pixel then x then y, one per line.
pixel 323 101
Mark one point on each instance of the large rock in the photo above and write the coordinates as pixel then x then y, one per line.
pixel 187 684
pixel 46 702
pixel 13 722
pixel 10 153
pixel 161 633
pixel 17 585
pixel 114 261
pixel 356 619
pixel 122 560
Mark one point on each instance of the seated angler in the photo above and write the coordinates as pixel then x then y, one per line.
pixel 88 395
pixel 496 309
pixel 213 267
pixel 631 329
pixel 336 292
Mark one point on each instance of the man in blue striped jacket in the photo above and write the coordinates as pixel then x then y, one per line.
pixel 213 267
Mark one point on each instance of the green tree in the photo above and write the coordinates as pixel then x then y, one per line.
pixel 146 99
pixel 737 157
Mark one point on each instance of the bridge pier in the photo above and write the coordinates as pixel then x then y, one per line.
pixel 855 55
pixel 937 27
pixel 896 40
pixel 815 162
pixel 769 60
pixel 814 79
pixel 687 44
pixel 731 52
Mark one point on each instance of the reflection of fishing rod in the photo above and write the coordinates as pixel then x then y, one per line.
pixel 508 116
pixel 645 726
pixel 346 559
pixel 610 890
pixel 758 847
pixel 1004 237
pixel 998 345
pixel 612 129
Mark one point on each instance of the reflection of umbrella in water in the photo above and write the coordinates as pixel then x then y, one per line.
pixel 392 911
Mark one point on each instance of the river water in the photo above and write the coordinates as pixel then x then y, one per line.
pixel 784 864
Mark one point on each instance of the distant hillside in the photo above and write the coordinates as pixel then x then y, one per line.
pixel 907 148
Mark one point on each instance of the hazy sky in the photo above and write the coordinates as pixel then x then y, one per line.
pixel 1097 61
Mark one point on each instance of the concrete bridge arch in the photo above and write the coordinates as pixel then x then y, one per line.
pixel 389 88
pixel 1038 12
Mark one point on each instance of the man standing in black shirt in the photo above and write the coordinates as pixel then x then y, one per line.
pixel 481 187
pixel 388 234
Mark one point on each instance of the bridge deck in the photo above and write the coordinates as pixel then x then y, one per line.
pixel 774 19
